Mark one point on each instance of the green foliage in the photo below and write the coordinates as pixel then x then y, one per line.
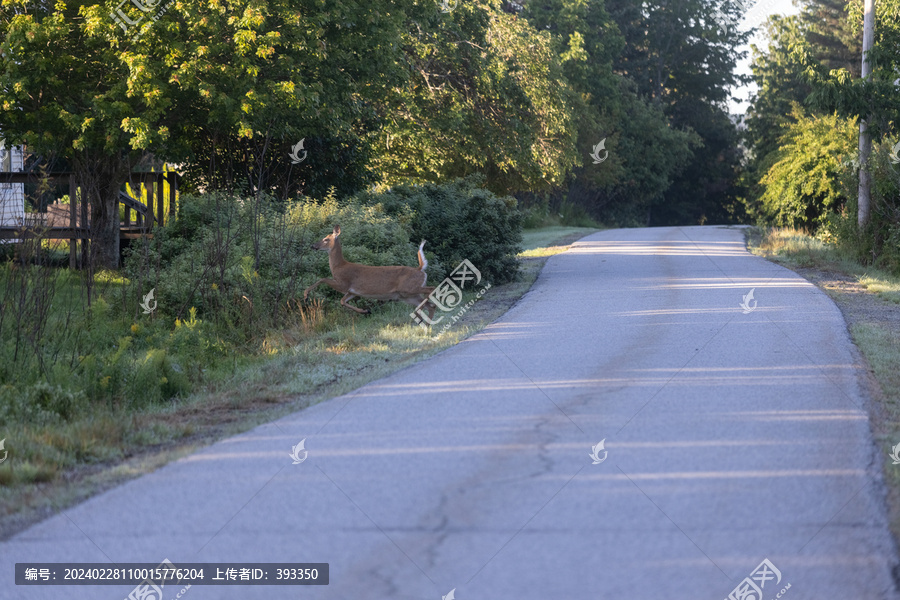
pixel 459 220
pixel 39 404
pixel 835 85
pixel 655 155
pixel 820 35
pixel 682 56
pixel 157 377
pixel 877 244
pixel 64 92
pixel 803 184
pixel 384 90
pixel 648 80
pixel 485 93
pixel 680 50
pixel 778 76
pixel 240 262
pixel 225 274
pixel 251 80
pixel 568 214
pixel 223 88
pixel 804 167
pixel 834 39
pixel 64 83
pixel 586 41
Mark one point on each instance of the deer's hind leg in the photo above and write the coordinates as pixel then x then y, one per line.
pixel 422 296
pixel 350 296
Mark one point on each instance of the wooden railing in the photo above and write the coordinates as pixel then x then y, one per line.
pixel 47 225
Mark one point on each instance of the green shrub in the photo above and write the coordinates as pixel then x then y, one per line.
pixel 239 262
pixel 537 216
pixel 459 220
pixel 540 213
pixel 38 404
pixel 368 234
pixel 877 244
pixel 157 377
pixel 883 232
pixel 803 184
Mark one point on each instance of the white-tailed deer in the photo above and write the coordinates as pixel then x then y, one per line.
pixel 406 284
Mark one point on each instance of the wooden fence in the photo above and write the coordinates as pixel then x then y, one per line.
pixel 72 221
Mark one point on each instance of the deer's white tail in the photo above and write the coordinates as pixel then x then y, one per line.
pixel 423 262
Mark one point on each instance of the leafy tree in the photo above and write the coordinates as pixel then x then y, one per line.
pixel 223 87
pixel 876 98
pixel 682 55
pixel 703 192
pixel 249 80
pixel 802 186
pixel 484 94
pixel 814 58
pixel 778 76
pixel 827 37
pixel 832 36
pixel 678 49
pixel 64 92
pixel 645 155
pixel 643 150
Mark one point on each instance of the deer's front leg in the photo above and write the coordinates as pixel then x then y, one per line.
pixel 329 282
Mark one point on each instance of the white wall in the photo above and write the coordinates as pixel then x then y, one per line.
pixel 12 195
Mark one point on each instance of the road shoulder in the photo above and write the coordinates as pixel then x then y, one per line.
pixel 874 326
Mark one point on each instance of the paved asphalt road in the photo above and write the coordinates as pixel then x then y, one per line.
pixel 731 438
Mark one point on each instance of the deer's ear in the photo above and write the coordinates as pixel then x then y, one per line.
pixel 337 230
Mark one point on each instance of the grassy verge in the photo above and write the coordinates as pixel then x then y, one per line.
pixel 320 353
pixel 867 297
pixel 548 241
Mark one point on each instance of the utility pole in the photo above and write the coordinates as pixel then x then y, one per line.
pixel 865 140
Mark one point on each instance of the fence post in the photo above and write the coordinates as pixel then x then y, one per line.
pixel 84 230
pixel 73 221
pixel 161 197
pixel 172 178
pixel 150 211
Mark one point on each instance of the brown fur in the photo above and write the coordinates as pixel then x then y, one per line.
pixel 406 284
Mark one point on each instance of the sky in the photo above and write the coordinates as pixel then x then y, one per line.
pixel 755 17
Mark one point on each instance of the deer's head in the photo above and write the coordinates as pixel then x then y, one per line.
pixel 327 242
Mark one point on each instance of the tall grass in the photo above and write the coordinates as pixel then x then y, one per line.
pixel 84 381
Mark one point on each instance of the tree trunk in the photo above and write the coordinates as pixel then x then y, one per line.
pixel 865 141
pixel 864 198
pixel 100 177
